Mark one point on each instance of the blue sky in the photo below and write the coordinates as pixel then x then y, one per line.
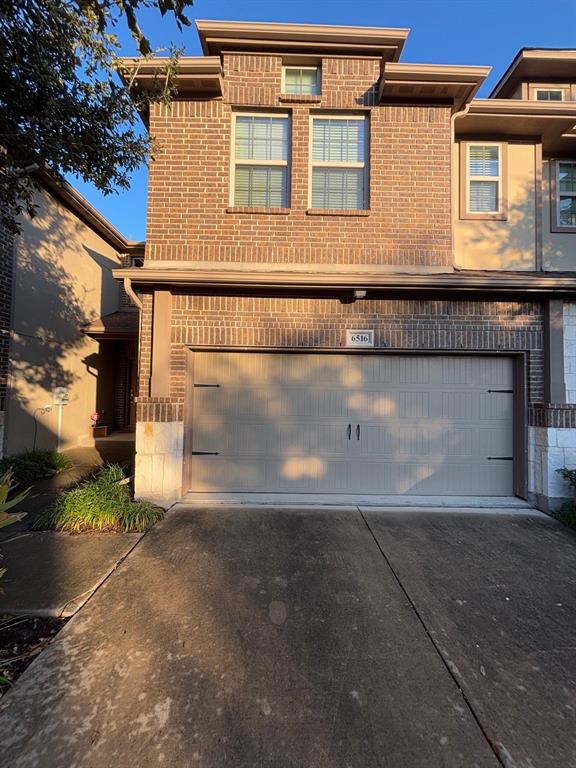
pixel 487 32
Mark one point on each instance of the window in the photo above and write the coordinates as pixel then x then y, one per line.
pixel 301 80
pixel 484 179
pixel 566 190
pixel 339 167
pixel 261 165
pixel 549 94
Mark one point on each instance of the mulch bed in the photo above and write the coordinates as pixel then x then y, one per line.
pixel 21 640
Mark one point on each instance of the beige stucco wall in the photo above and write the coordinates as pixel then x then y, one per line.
pixel 63 280
pixel 502 245
pixel 558 249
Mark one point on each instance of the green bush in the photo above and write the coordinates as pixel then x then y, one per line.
pixel 567 512
pixel 34 465
pixel 102 503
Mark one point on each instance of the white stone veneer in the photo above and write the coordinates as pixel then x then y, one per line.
pixel 550 449
pixel 159 461
pixel 570 351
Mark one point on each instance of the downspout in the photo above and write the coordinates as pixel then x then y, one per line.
pixel 453 191
pixel 136 300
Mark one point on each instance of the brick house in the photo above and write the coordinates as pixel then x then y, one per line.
pixel 65 324
pixel 358 277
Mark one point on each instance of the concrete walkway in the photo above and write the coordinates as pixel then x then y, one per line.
pixel 314 639
pixel 53 574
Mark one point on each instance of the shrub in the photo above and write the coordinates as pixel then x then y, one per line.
pixel 6 488
pixel 567 512
pixel 569 475
pixel 102 503
pixel 34 465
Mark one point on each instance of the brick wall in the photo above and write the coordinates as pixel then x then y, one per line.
pixel 402 324
pixel 189 214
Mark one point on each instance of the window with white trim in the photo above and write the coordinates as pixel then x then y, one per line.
pixel 484 185
pixel 261 160
pixel 339 162
pixel 301 80
pixel 566 189
pixel 549 94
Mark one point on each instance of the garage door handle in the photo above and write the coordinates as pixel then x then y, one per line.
pixel 357 431
pixel 349 431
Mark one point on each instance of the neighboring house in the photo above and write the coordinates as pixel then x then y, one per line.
pixel 358 277
pixel 67 327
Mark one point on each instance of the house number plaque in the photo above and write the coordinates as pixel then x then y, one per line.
pixel 359 338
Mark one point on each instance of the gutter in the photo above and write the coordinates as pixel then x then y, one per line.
pixel 485 282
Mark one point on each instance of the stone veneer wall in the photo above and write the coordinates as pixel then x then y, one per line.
pixel 552 434
pixel 570 351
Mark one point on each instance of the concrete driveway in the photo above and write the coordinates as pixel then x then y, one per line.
pixel 326 638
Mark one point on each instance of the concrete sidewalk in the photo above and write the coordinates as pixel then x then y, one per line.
pixel 53 574
pixel 323 638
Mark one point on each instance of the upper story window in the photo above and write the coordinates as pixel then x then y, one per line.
pixel 339 162
pixel 484 193
pixel 549 94
pixel 303 81
pixel 261 166
pixel 566 190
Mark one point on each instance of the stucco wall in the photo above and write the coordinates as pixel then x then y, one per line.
pixel 506 245
pixel 63 280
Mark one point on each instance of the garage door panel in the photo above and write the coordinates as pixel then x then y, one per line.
pixel 433 477
pixel 258 403
pixel 279 422
pixel 312 474
pixel 254 438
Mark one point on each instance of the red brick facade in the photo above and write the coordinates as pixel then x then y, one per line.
pixel 189 210
pixel 320 323
pixel 408 224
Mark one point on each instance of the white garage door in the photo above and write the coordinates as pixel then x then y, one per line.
pixel 366 424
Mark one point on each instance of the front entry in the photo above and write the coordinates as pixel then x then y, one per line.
pixel 351 424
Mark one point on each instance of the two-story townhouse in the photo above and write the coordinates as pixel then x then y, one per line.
pixel 68 333
pixel 357 275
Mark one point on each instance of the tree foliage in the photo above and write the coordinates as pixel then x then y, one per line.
pixel 62 107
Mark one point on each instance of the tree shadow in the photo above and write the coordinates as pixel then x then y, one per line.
pixel 62 281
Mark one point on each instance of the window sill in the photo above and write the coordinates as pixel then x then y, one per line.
pixel 559 230
pixel 354 212
pixel 300 98
pixel 484 217
pixel 264 211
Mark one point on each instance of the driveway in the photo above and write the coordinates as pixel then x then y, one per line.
pixel 325 638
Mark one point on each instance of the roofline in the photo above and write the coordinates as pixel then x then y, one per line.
pixel 455 72
pixel 519 107
pixel 529 53
pixel 307 34
pixel 205 65
pixel 458 81
pixel 78 204
pixel 496 282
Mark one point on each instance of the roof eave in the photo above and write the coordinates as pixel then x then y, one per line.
pixel 218 35
pixel 495 282
pixel 505 86
pixel 73 200
pixel 458 84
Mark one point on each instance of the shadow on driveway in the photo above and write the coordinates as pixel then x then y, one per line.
pixel 285 639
